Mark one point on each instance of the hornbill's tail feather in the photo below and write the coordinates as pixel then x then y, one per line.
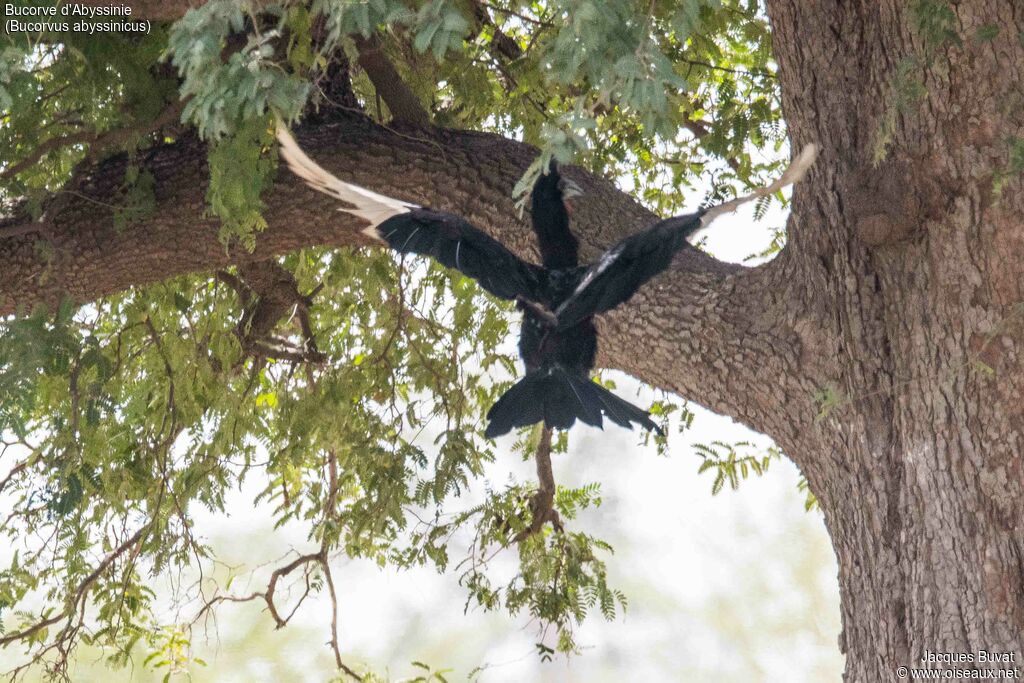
pixel 793 173
pixel 622 412
pixel 559 398
pixel 368 205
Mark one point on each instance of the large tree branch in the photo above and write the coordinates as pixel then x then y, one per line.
pixel 401 100
pixel 153 10
pixel 697 330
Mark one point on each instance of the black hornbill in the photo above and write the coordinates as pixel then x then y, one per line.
pixel 558 341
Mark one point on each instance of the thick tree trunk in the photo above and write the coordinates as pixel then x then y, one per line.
pixel 898 300
pixel 914 265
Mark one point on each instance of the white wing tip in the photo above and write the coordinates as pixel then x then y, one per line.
pixel 282 130
pixel 368 205
pixel 794 173
pixel 290 149
pixel 799 167
pixel 373 233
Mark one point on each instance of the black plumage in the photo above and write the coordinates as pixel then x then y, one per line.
pixel 558 340
pixel 558 353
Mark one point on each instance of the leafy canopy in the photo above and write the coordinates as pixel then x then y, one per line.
pixel 121 417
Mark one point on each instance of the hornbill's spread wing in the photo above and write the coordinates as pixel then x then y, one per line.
pixel 621 270
pixel 407 228
pixel 453 242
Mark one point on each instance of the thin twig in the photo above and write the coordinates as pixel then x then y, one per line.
pixel 542 508
pixel 517 15
pixel 97 142
pixel 17 469
pixel 763 73
pixel 80 592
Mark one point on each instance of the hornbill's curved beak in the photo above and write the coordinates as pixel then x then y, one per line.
pixel 569 188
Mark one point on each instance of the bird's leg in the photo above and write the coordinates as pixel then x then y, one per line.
pixel 542 312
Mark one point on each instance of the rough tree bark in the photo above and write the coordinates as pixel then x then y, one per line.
pixel 914 268
pixel 899 292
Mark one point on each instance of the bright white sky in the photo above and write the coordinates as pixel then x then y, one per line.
pixel 740 586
